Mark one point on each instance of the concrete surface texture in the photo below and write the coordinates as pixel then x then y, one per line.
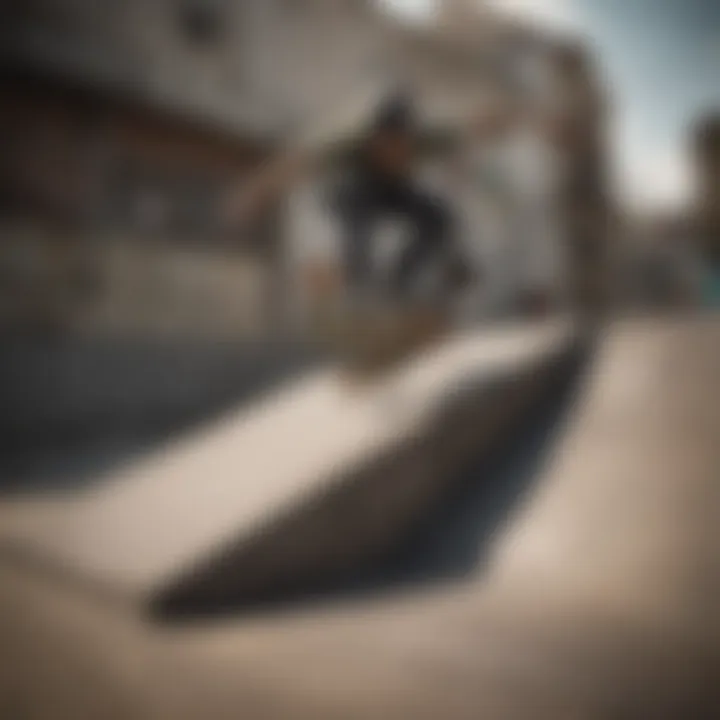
pixel 601 603
pixel 251 487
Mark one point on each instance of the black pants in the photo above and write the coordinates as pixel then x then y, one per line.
pixel 362 204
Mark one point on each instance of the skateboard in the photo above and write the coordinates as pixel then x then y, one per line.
pixel 371 341
pixel 374 334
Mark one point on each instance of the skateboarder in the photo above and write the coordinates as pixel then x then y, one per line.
pixel 378 182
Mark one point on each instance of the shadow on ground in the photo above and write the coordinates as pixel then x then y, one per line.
pixel 71 412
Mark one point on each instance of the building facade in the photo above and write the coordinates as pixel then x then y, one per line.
pixel 130 119
pixel 706 151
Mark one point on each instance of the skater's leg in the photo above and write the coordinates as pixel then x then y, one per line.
pixel 432 230
pixel 357 213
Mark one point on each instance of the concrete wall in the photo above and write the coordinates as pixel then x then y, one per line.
pixel 260 67
pixel 147 49
pixel 166 291
pixel 125 288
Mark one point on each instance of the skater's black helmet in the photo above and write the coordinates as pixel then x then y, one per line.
pixel 396 114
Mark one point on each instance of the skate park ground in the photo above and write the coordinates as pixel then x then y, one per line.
pixel 585 588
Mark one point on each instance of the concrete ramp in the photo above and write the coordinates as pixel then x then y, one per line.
pixel 310 481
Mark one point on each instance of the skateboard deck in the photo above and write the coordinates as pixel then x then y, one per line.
pixel 373 333
pixel 370 342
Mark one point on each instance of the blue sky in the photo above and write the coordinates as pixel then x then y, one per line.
pixel 661 60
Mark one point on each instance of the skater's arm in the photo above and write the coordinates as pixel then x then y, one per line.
pixel 329 134
pixel 494 122
pixel 253 196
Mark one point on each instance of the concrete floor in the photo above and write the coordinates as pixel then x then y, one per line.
pixel 600 600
